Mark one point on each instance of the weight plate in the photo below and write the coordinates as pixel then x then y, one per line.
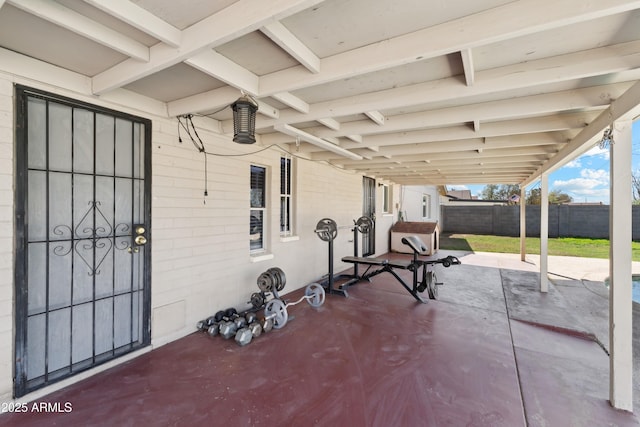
pixel 265 282
pixel 275 278
pixel 276 310
pixel 257 300
pixel 327 229
pixel 315 292
pixel 280 278
pixel 364 224
pixel 432 289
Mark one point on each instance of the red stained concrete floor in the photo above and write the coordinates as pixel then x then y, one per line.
pixel 377 358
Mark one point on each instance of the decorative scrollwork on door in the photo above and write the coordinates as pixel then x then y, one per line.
pixel 91 242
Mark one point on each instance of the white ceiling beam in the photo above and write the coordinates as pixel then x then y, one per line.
pixel 290 130
pixel 445 163
pixel 267 110
pixel 596 96
pixel 355 138
pixel 332 140
pixel 447 178
pixel 459 181
pixel 73 21
pixel 330 123
pixel 476 125
pixel 467 65
pixel 222 68
pixel 33 69
pixel 583 64
pixel 449 173
pixel 292 45
pixel 501 152
pixel 292 101
pixel 502 142
pixel 558 122
pixel 374 149
pixel 470 169
pixel 514 19
pixel 234 21
pixel 505 163
pixel 141 19
pixel 211 100
pixel 514 154
pixel 376 116
pixel 223 97
pixel 585 140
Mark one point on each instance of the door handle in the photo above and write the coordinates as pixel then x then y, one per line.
pixel 139 238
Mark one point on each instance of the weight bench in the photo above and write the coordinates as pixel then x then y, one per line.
pixel 385 265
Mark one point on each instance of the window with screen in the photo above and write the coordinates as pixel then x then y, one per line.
pixel 286 197
pixel 257 211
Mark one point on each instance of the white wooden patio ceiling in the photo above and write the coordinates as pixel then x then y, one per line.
pixel 413 91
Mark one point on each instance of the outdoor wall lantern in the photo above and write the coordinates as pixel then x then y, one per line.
pixel 244 120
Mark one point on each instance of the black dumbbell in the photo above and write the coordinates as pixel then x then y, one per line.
pixel 251 317
pixel 227 314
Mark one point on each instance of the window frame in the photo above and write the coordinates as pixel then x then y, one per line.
pixel 287 195
pixel 386 199
pixel 262 209
pixel 426 205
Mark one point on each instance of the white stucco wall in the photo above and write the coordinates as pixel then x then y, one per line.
pixel 6 238
pixel 411 202
pixel 200 251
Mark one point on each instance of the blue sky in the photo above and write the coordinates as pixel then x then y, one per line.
pixel 586 178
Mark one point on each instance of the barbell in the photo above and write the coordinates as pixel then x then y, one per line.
pixel 327 229
pixel 276 309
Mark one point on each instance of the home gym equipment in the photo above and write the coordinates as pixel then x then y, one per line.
pixel 256 329
pixel 244 336
pixel 251 317
pixel 228 329
pixel 245 326
pixel 418 247
pixel 327 231
pixel 228 314
pixel 271 281
pixel 214 329
pixel 276 309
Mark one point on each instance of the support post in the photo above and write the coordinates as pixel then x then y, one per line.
pixel 544 232
pixel 523 223
pixel 620 293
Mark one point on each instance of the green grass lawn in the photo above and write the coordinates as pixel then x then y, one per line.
pixel 566 246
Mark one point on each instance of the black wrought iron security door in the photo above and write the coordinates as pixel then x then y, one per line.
pixel 369 210
pixel 82 227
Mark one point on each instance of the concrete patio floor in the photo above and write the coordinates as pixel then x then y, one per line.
pixel 491 351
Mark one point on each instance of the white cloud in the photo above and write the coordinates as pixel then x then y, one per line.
pixel 574 164
pixel 592 184
pixel 596 174
pixel 597 152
